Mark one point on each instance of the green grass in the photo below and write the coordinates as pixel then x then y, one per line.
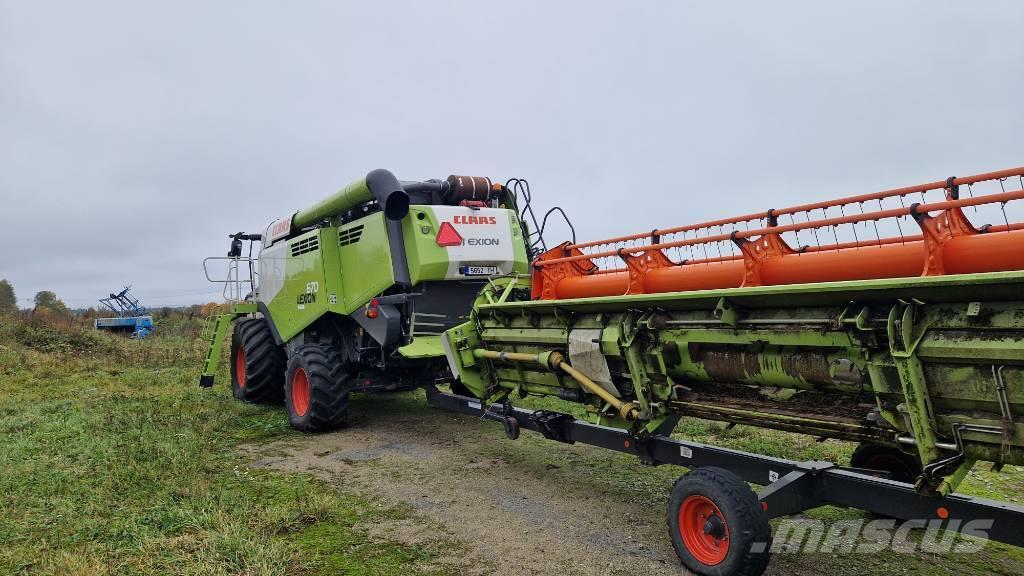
pixel 115 462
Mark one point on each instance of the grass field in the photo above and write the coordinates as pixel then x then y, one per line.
pixel 113 461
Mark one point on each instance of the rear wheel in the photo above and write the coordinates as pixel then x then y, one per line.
pixel 257 363
pixel 717 524
pixel 317 389
pixel 901 466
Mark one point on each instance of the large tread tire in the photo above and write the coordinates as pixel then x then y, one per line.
pixel 717 524
pixel 317 389
pixel 257 363
pixel 901 466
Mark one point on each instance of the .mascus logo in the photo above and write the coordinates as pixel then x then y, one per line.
pixel 475 220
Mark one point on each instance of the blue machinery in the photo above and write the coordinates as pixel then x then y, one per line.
pixel 131 317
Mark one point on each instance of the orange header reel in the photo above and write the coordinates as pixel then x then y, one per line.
pixel 923 237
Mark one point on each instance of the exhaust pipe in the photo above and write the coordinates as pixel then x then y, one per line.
pixel 389 193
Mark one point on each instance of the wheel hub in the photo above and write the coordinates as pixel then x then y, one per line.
pixel 240 367
pixel 300 392
pixel 714 527
pixel 703 529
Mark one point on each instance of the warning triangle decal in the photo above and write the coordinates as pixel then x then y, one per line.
pixel 447 235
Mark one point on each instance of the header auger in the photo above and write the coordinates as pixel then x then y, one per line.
pixel 906 336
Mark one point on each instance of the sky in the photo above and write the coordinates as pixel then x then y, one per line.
pixel 135 136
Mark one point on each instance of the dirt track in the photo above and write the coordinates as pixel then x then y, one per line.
pixel 488 505
pixel 513 509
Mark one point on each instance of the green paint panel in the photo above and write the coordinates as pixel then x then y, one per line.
pixel 993 286
pixel 427 260
pixel 522 265
pixel 928 353
pixel 303 297
pixel 348 197
pixel 423 347
pixel 366 268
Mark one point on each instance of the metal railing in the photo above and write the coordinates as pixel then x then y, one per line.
pixel 240 282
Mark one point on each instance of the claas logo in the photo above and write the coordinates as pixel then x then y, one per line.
pixel 475 220
pixel 447 235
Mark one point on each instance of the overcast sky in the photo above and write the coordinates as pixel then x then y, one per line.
pixel 134 136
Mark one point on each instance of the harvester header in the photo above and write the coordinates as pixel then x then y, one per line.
pixel 767 248
pixel 893 319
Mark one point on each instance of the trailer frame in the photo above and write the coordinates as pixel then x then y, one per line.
pixel 789 486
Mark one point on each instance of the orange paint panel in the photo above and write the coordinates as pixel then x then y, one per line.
pixel 695 277
pixel 891 261
pixel 961 255
pixel 590 286
pixel 993 252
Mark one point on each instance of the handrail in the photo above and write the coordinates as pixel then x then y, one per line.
pixel 233 284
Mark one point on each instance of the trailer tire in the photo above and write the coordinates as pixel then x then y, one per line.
pixel 901 466
pixel 257 363
pixel 717 524
pixel 317 389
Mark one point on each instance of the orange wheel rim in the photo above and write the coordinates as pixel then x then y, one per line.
pixel 300 392
pixel 704 530
pixel 240 367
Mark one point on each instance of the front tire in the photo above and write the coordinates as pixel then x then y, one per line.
pixel 317 389
pixel 257 363
pixel 717 524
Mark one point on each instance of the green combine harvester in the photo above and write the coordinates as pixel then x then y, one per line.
pixel 355 292
pixel 911 344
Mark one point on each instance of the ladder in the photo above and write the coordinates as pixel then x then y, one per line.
pixel 215 331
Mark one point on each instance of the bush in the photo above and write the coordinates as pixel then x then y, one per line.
pixel 47 333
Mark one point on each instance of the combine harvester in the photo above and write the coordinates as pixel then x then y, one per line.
pixel 355 291
pixel 130 316
pixel 907 338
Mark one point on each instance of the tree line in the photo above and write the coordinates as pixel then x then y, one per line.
pixel 47 302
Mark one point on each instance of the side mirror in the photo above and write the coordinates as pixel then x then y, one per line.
pixel 236 248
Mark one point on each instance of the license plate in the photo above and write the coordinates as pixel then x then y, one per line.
pixel 480 271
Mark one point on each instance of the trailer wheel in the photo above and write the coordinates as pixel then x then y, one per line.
pixel 317 389
pixel 717 524
pixel 901 466
pixel 257 363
